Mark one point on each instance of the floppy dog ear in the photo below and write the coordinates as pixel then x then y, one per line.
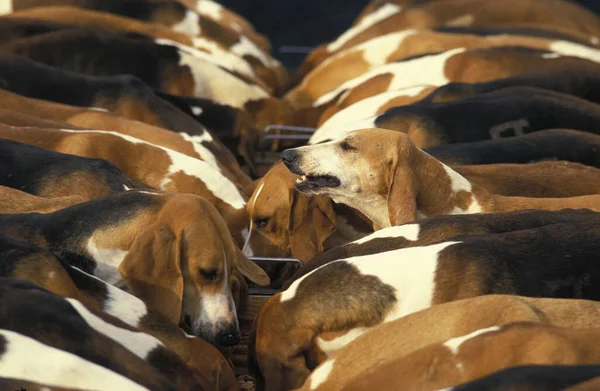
pixel 152 270
pixel 312 221
pixel 402 196
pixel 250 269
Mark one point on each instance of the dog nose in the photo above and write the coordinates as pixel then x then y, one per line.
pixel 289 155
pixel 228 338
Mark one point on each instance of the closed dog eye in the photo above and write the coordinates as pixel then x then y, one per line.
pixel 346 146
pixel 209 274
pixel 261 223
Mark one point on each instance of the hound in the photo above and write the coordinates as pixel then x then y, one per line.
pixel 353 295
pixel 444 228
pixel 358 60
pixel 124 95
pixel 383 175
pixel 171 250
pixel 481 353
pixel 71 117
pixel 439 324
pixel 126 314
pixel 563 16
pixel 178 69
pixel 64 344
pixel 54 175
pixel 295 224
pixel 538 377
pixel 578 81
pixel 153 165
pixel 203 31
pixel 542 145
pixel 442 68
pixel 70 16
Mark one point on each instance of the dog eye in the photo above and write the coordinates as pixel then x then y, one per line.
pixel 261 223
pixel 346 147
pixel 210 275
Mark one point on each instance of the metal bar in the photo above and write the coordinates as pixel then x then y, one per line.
pixel 287 137
pixel 269 259
pixel 295 49
pixel 303 129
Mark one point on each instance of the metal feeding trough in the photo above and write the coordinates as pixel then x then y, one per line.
pixel 268 291
pixel 265 154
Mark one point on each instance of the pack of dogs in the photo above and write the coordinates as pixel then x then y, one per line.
pixel 440 189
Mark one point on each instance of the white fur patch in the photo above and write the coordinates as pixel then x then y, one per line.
pixel 120 304
pixel 247 249
pixel 332 346
pixel 460 183
pixel 359 114
pixel 410 271
pixel 196 110
pixel 6 6
pixel 210 8
pixel 320 375
pixel 30 360
pixel 107 261
pixel 551 55
pixel 95 108
pixel 377 50
pixel 246 47
pixel 217 56
pixel 454 343
pixel 205 153
pixel 567 48
pixel 139 343
pixel 189 25
pixel 407 231
pixel 429 70
pixel 369 20
pixel 213 179
pixel 210 81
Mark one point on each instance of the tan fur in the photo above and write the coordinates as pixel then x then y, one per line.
pixel 88 18
pixel 555 15
pixel 13 201
pixel 445 321
pixel 402 183
pixel 352 63
pixel 33 112
pixel 436 366
pixel 144 162
pixel 297 225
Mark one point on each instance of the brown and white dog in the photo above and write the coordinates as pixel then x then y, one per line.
pixel 69 16
pixel 295 224
pixel 352 295
pixel 179 70
pixel 61 338
pixel 153 165
pixel 172 250
pixel 71 117
pixel 28 262
pixel 360 59
pixel 442 68
pixel 558 15
pixel 481 353
pixel 124 95
pixel 432 124
pixel 438 324
pixel 443 228
pixel 383 175
pixel 205 32
pixel 574 80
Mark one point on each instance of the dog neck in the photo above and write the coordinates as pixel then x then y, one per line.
pixel 442 191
